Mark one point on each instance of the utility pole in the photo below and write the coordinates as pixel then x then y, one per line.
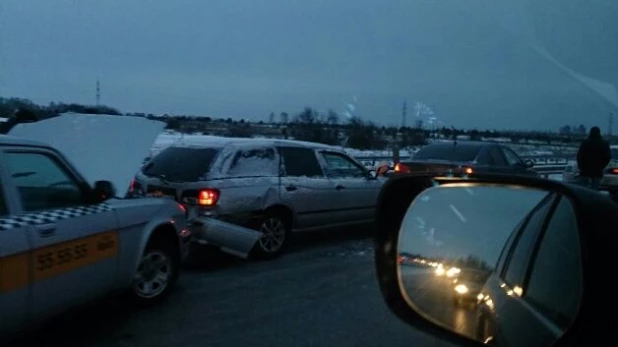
pixel 403 113
pixel 98 93
pixel 610 125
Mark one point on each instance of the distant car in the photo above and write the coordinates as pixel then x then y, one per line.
pixel 246 195
pixel 468 285
pixel 466 157
pixel 609 182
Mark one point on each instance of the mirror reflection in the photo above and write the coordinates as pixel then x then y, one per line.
pixel 498 264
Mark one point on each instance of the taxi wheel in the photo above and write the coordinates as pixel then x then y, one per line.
pixel 275 234
pixel 156 274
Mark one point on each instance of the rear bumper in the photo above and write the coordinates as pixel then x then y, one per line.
pixel 230 238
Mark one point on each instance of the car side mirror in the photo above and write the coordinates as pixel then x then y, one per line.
pixel 452 256
pixel 527 163
pixel 372 174
pixel 382 170
pixel 103 190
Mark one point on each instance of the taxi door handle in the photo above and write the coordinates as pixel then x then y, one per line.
pixel 46 230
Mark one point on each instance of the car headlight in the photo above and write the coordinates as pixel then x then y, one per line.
pixel 461 288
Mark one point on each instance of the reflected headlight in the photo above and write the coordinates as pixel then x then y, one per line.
pixel 452 272
pixel 461 289
pixel 440 271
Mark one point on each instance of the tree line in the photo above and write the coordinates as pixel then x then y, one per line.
pixel 308 124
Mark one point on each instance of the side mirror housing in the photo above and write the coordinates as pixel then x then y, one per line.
pixel 528 163
pixel 382 170
pixel 444 245
pixel 372 174
pixel 103 190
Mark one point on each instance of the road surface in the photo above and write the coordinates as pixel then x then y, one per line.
pixel 323 292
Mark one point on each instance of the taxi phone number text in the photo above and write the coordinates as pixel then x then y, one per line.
pixel 52 258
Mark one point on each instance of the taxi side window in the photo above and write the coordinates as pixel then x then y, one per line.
pixel 42 182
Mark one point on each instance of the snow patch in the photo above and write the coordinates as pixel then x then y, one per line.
pixel 101 147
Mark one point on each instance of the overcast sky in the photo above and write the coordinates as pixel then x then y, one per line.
pixel 470 61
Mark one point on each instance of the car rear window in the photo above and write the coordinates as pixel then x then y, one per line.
pixel 615 153
pixel 448 152
pixel 181 164
pixel 254 162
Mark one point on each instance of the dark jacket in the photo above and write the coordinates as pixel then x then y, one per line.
pixel 593 156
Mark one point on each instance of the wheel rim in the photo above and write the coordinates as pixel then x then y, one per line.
pixel 273 234
pixel 153 274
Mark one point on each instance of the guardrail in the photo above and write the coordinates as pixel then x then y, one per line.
pixel 544 165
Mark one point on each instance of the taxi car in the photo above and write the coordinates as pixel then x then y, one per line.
pixel 65 242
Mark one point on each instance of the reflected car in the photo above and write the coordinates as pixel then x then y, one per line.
pixel 537 282
pixel 468 285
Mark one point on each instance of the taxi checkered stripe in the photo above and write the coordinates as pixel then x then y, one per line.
pixel 45 217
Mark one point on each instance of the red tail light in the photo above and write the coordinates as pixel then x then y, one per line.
pixel 400 168
pixel 132 186
pixel 615 171
pixel 207 197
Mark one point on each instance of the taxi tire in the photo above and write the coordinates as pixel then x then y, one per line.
pixel 158 245
pixel 258 253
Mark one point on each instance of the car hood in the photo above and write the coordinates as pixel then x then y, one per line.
pixel 100 147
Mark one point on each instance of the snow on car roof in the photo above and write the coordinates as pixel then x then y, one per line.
pixel 167 139
pixel 9 140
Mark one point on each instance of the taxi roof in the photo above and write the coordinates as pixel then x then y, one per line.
pixel 8 140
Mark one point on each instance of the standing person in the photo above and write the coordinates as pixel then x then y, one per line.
pixel 20 116
pixel 593 156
